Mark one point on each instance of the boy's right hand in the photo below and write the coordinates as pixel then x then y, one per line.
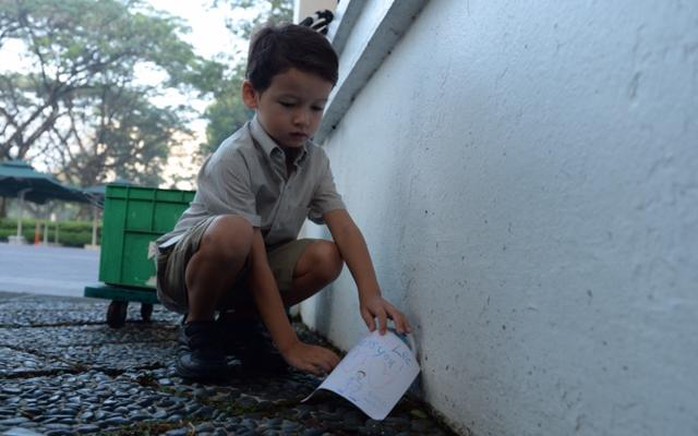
pixel 310 358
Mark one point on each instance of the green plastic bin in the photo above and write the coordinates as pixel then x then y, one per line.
pixel 133 218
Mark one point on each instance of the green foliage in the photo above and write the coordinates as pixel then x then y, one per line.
pixel 225 116
pixel 228 112
pixel 267 12
pixel 70 233
pixel 80 105
pixel 73 239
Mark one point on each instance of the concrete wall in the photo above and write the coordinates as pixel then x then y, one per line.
pixel 526 176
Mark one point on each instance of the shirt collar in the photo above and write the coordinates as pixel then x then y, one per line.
pixel 267 143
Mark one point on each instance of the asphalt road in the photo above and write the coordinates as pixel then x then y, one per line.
pixel 40 269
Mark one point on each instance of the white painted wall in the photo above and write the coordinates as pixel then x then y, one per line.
pixel 526 176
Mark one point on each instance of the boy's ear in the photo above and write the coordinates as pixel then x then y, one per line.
pixel 249 95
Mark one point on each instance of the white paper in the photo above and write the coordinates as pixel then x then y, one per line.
pixel 375 374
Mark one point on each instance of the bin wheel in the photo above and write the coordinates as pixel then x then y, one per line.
pixel 146 311
pixel 116 314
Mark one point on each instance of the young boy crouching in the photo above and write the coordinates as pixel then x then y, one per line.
pixel 234 250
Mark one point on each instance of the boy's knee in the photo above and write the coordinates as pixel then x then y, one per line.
pixel 328 260
pixel 228 237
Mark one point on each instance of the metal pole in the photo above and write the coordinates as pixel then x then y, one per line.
pixel 94 225
pixel 21 213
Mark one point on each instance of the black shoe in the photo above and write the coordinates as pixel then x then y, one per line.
pixel 182 341
pixel 250 342
pixel 201 357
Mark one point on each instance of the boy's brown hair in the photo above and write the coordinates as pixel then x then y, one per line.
pixel 275 50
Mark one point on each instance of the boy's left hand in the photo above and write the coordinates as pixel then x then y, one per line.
pixel 378 307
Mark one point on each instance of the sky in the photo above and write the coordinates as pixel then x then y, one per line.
pixel 209 37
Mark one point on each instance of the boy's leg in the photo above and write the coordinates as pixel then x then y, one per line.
pixel 213 269
pixel 192 272
pixel 301 268
pixel 319 265
pixel 201 269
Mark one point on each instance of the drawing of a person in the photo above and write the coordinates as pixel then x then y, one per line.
pixel 355 384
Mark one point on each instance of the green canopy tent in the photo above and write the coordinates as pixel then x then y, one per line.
pixel 20 180
pixel 98 192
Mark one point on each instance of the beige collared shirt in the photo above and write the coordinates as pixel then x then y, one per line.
pixel 247 176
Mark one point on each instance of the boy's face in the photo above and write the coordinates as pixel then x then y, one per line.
pixel 290 109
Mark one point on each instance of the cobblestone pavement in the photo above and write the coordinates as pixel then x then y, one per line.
pixel 63 371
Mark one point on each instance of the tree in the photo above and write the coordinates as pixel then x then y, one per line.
pixel 82 106
pixel 263 12
pixel 228 113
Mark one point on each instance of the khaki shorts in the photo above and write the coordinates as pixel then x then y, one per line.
pixel 172 263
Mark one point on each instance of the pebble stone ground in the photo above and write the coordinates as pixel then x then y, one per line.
pixel 63 371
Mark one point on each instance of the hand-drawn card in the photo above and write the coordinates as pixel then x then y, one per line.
pixel 375 374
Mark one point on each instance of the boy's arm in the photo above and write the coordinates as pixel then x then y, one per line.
pixel 305 357
pixel 352 246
